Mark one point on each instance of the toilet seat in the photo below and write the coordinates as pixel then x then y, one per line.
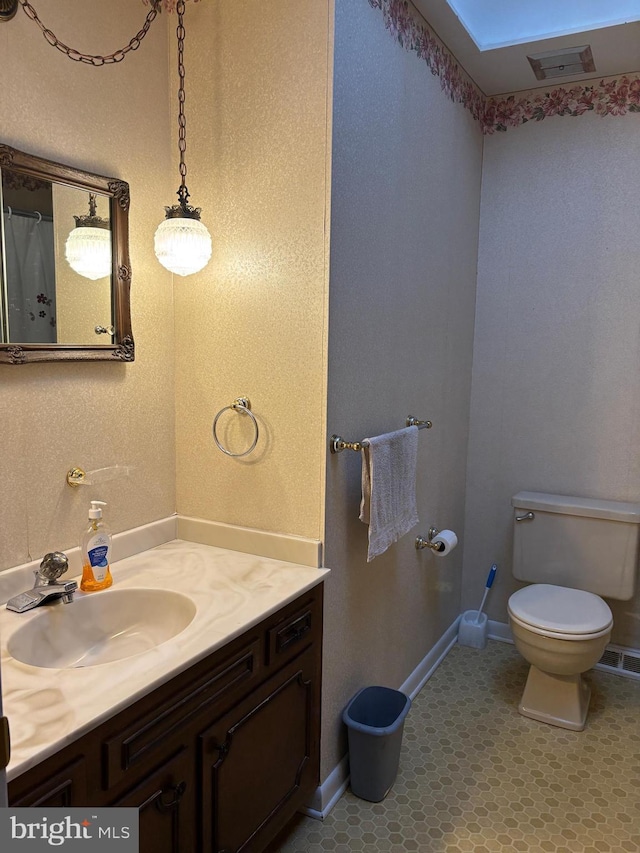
pixel 557 611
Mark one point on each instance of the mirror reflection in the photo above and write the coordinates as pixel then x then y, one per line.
pixel 65 273
pixel 57 263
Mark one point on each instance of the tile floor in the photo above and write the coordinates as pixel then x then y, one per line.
pixel 477 777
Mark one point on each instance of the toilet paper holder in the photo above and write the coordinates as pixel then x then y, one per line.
pixel 421 542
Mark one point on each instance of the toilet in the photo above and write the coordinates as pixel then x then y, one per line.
pixel 571 551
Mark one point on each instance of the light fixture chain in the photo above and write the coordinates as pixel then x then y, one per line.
pixel 183 192
pixel 87 58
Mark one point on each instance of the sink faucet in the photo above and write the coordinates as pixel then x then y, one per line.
pixel 46 587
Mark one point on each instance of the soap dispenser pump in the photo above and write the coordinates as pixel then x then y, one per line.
pixel 95 547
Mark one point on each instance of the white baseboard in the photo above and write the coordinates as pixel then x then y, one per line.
pixel 277 546
pixel 499 631
pixel 334 786
pixel 328 794
pixel 432 660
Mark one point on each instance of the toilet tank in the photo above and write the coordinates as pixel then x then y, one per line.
pixel 576 542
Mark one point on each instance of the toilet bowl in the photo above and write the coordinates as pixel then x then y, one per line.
pixel 571 550
pixel 562 633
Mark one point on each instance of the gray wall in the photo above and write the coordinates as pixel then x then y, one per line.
pixel 404 229
pixel 555 402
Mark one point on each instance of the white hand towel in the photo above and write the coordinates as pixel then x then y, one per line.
pixel 388 502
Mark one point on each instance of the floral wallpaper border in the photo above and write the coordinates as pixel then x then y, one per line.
pixel 413 33
pixel 611 96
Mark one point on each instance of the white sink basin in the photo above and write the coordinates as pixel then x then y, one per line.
pixel 101 627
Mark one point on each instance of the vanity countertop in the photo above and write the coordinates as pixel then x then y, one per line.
pixel 49 708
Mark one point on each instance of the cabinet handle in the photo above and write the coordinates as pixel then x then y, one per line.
pixel 221 748
pixel 176 792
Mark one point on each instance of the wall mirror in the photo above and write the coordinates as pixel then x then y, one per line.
pixel 65 273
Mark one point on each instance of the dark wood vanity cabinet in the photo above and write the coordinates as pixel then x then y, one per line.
pixel 218 759
pixel 256 759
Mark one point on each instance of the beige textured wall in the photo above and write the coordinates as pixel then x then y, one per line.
pixel 116 121
pixel 404 230
pixel 556 389
pixel 253 322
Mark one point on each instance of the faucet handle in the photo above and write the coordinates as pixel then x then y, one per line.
pixel 53 565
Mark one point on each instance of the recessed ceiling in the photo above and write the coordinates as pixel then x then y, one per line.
pixel 501 23
pixel 498 70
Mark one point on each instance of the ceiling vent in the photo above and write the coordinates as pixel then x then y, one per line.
pixel 567 63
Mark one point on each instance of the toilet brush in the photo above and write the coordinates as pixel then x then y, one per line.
pixel 472 630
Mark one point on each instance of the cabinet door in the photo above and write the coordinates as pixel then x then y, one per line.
pixel 61 787
pixel 260 761
pixel 166 804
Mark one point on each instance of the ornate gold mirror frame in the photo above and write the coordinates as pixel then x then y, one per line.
pixel 117 191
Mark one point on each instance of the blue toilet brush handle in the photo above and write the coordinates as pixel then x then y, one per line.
pixel 488 585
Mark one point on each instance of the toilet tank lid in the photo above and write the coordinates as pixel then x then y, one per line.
pixel 587 507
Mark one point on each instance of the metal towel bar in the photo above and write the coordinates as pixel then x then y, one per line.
pixel 337 444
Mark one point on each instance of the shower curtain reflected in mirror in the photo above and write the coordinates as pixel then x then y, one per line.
pixel 30 278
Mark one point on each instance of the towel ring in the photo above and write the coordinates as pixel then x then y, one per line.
pixel 242 405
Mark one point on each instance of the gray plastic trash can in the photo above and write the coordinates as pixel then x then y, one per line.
pixel 375 720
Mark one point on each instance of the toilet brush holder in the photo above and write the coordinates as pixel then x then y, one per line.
pixel 472 630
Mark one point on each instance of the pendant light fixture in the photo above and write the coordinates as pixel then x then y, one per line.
pixel 182 242
pixel 88 246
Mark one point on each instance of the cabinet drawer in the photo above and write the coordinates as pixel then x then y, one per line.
pixel 294 631
pixel 139 742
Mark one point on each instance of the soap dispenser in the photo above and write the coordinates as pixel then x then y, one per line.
pixel 95 547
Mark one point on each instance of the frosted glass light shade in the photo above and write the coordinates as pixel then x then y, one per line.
pixel 182 245
pixel 88 252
